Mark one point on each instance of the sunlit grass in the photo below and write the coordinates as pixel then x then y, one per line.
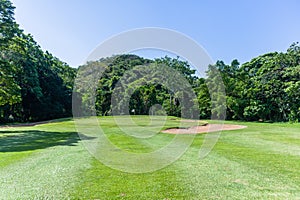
pixel 48 161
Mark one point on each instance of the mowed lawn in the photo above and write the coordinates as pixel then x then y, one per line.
pixel 49 161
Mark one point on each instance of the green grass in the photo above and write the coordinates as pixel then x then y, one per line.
pixel 49 161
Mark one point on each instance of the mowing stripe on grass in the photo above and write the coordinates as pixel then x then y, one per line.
pixel 217 177
pixel 48 174
pixel 285 167
pixel 264 144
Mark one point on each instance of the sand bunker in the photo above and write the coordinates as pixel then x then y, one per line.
pixel 203 129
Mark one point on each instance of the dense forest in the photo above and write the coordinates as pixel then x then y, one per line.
pixel 265 89
pixel 35 85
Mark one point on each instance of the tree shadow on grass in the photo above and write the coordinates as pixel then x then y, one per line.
pixel 17 141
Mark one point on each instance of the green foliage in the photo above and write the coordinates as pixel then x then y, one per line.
pixel 34 85
pixel 216 90
pixel 8 27
pixel 271 81
pixel 264 89
pixel 203 98
pixel 182 66
pixel 9 90
pixel 145 92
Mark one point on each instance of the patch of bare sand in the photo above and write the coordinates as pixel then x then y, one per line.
pixel 204 129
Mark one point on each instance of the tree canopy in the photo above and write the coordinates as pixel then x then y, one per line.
pixel 35 85
pixel 263 89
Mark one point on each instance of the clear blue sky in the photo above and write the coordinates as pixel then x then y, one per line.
pixel 71 29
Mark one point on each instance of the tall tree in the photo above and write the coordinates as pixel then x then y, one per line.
pixel 9 89
pixel 34 85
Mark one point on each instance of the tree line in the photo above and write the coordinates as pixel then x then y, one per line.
pixel 35 85
pixel 267 88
